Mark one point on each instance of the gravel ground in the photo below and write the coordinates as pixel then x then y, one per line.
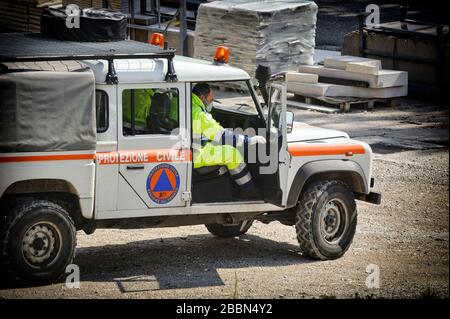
pixel 406 237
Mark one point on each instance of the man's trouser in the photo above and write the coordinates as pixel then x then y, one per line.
pixel 210 155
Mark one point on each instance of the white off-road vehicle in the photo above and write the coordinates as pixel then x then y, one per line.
pixel 71 159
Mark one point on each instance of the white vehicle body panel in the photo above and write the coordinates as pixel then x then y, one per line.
pixel 306 132
pixel 298 160
pixel 65 166
pixel 107 176
pixel 154 70
pixel 200 209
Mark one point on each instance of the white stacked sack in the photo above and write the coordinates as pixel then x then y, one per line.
pixel 279 33
pixel 378 83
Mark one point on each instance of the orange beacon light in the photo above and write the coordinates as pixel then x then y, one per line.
pixel 222 55
pixel 157 39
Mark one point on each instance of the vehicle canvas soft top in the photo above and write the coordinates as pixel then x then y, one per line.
pixel 44 108
pixel 19 47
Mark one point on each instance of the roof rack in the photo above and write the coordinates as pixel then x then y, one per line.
pixel 20 47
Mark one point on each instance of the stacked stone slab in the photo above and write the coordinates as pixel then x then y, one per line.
pixel 277 33
pixel 370 80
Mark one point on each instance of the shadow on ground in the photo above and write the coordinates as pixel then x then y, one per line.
pixel 179 262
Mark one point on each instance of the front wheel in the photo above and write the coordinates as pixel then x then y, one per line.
pixel 38 241
pixel 326 220
pixel 226 231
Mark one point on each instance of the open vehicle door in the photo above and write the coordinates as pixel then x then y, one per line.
pixel 273 173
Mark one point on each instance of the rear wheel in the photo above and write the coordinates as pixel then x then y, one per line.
pixel 226 231
pixel 38 241
pixel 326 220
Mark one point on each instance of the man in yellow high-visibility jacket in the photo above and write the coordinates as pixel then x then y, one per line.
pixel 208 130
pixel 142 101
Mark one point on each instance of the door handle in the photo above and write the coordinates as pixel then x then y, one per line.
pixel 135 166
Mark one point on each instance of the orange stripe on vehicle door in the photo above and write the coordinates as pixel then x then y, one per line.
pixel 326 149
pixel 144 156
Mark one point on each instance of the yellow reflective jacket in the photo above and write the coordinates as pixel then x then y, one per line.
pixel 142 101
pixel 203 124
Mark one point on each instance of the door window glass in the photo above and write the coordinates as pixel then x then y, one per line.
pixel 101 111
pixel 150 111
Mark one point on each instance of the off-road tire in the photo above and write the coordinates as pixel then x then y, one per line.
pixel 227 231
pixel 308 224
pixel 33 221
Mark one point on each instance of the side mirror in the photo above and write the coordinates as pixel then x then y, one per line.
pixel 289 121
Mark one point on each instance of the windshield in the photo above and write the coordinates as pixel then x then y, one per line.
pixel 233 96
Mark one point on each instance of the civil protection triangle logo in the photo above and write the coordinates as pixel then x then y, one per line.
pixel 163 183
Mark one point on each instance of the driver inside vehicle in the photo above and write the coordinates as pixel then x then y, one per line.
pixel 213 145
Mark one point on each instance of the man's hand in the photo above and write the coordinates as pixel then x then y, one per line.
pixel 256 140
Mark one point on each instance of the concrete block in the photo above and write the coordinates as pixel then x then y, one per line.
pixel 384 78
pixel 302 77
pixel 369 67
pixel 342 61
pixel 334 90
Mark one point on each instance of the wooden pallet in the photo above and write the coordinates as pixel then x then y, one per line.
pixel 344 104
